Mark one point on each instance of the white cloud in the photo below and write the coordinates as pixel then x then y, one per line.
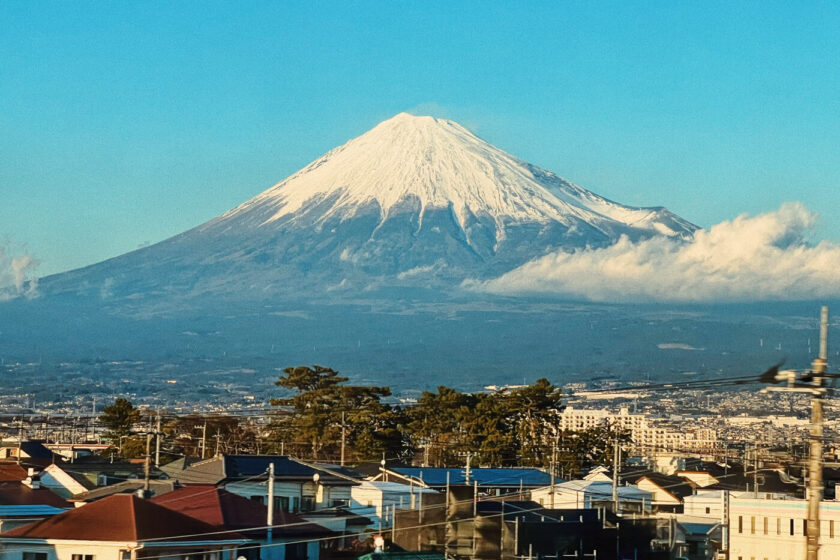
pixel 751 258
pixel 16 276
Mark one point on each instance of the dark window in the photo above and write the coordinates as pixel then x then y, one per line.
pixel 708 510
pixel 740 524
pixel 296 551
pixel 295 505
pixel 752 525
pixel 34 556
pixel 804 526
pixel 766 522
pixel 82 556
pixel 307 504
pixel 830 528
pixel 791 526
pixel 257 499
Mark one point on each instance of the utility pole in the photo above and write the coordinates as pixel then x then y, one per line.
pixel 553 466
pixel 343 437
pixel 815 481
pixel 157 441
pixel 269 520
pixel 20 439
pixel 204 439
pixel 616 459
pixel 147 467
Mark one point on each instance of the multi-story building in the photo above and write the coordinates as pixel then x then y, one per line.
pixel 649 435
pixel 776 529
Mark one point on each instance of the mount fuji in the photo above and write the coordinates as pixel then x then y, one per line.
pixel 416 202
pixel 363 261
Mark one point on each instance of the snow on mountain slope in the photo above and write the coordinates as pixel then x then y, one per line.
pixel 442 165
pixel 416 201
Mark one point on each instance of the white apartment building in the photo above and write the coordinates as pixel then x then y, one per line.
pixel 648 435
pixel 775 529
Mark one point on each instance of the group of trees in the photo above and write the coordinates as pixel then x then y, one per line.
pixel 323 418
pixel 518 426
pixel 195 435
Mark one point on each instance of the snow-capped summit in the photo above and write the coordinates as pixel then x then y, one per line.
pixel 416 201
pixel 434 163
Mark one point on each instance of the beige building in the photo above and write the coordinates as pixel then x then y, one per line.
pixel 649 435
pixel 775 529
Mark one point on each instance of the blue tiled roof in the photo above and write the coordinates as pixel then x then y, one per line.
pixel 28 510
pixel 240 466
pixel 485 476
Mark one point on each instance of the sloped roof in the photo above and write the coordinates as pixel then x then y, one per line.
pixel 35 450
pixel 674 485
pixel 218 507
pixel 12 472
pixel 603 490
pixel 121 518
pixel 125 487
pixel 485 476
pixel 239 466
pixel 18 494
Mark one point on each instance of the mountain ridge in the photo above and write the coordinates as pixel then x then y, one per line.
pixel 415 201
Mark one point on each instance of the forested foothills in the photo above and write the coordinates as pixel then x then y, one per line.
pixel 322 417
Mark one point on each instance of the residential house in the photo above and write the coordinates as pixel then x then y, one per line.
pixel 298 486
pixel 292 537
pixel 586 494
pixel 668 491
pixel 72 479
pixel 120 527
pixel 28 453
pixel 156 488
pixel 378 500
pixel 24 501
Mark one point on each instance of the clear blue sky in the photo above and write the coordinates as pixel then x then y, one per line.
pixel 124 123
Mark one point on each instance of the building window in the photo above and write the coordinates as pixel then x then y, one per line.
pixel 296 551
pixel 708 510
pixel 804 526
pixel 295 505
pixel 831 529
pixel 281 503
pixel 791 526
pixel 740 524
pixel 82 556
pixel 257 499
pixel 778 525
pixel 752 525
pixel 766 522
pixel 307 504
pixel 34 556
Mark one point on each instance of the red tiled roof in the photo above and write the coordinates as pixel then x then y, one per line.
pixel 18 494
pixel 12 472
pixel 227 510
pixel 122 518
